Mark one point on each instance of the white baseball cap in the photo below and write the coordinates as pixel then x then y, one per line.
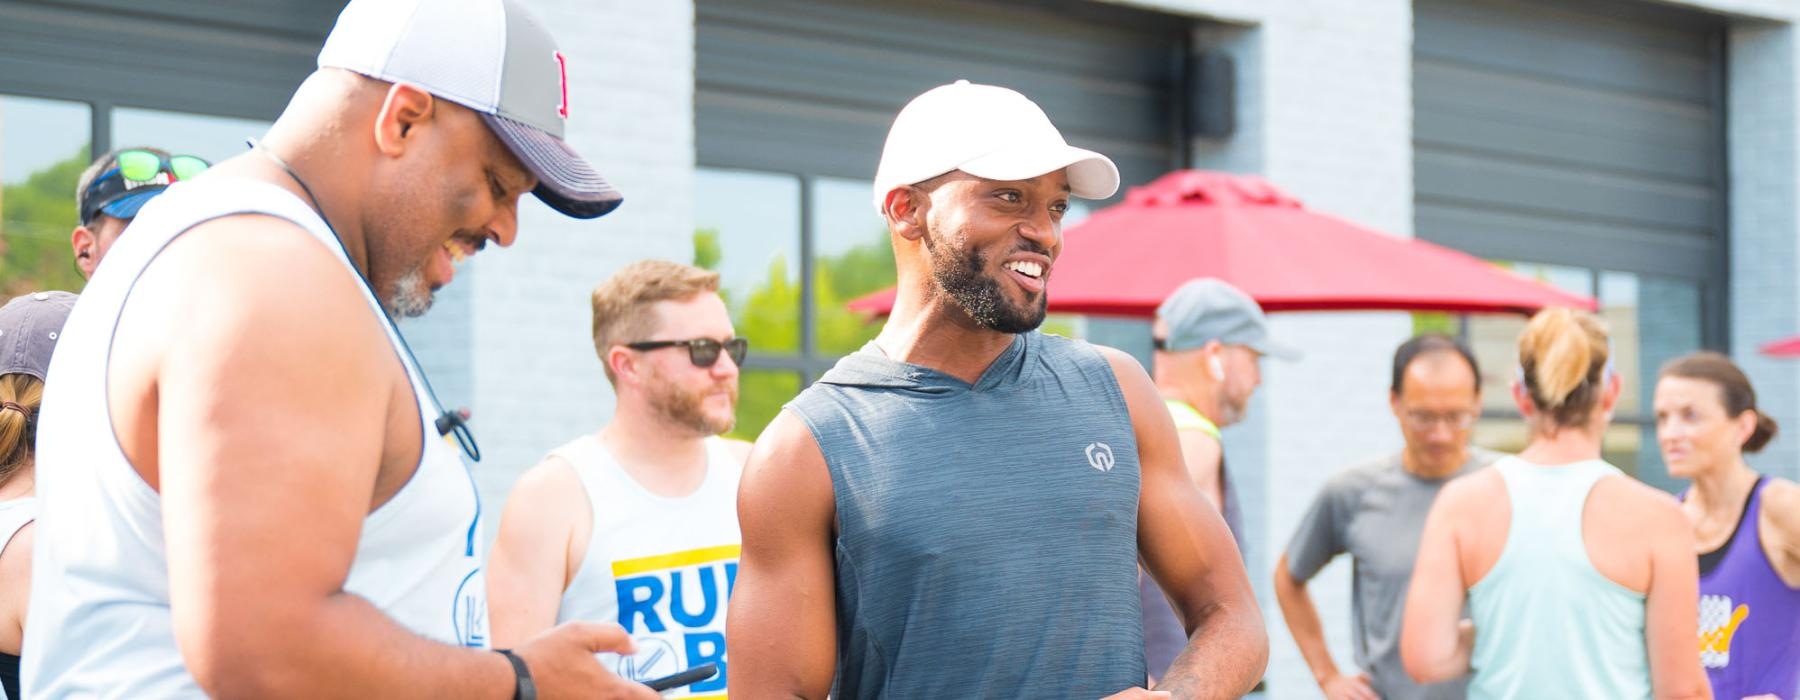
pixel 987 131
pixel 490 56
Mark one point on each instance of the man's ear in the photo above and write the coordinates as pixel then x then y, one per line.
pixel 404 108
pixel 83 241
pixel 904 209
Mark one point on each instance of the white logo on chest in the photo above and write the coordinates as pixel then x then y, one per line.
pixel 1100 456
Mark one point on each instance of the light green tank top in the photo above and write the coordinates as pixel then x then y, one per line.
pixel 1547 623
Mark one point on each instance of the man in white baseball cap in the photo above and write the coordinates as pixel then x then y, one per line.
pixel 256 493
pixel 958 509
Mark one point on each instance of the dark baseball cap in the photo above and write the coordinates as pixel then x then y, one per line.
pixel 29 325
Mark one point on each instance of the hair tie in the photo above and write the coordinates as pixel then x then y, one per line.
pixel 8 404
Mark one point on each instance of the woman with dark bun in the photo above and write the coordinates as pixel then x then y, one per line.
pixel 1746 527
pixel 1580 582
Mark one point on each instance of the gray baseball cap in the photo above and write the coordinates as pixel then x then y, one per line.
pixel 1207 309
pixel 491 56
pixel 29 325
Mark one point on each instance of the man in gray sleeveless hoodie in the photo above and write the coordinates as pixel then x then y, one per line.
pixel 959 508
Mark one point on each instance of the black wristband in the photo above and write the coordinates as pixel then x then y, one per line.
pixel 523 688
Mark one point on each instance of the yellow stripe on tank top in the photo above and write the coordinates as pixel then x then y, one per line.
pixel 704 555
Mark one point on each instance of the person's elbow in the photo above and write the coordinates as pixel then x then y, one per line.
pixel 241 657
pixel 1426 661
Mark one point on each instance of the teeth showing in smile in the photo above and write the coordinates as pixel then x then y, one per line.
pixel 1026 268
pixel 457 251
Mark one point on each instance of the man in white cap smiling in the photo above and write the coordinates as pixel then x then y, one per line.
pixel 959 509
pixel 257 495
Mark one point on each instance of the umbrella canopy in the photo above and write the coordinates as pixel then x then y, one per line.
pixel 1123 260
pixel 1789 347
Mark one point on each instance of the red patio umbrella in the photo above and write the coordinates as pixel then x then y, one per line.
pixel 1123 260
pixel 1789 347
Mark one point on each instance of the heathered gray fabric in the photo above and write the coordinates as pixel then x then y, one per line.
pixel 980 552
pixel 1375 512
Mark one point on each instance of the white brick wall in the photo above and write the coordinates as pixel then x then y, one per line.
pixel 1764 138
pixel 513 335
pixel 1325 112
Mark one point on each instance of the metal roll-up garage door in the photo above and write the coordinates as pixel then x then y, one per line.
pixel 811 86
pixel 1583 133
pixel 237 58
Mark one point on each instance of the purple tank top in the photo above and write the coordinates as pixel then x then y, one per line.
pixel 1749 618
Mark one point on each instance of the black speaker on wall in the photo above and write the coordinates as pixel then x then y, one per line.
pixel 1211 95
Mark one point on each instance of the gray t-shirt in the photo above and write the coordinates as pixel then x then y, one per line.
pixel 1376 511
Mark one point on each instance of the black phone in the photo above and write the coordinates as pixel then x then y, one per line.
pixel 688 677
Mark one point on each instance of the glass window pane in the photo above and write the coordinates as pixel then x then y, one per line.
pixel 43 149
pixel 854 257
pixel 1668 327
pixel 1619 307
pixel 761 394
pixel 747 227
pixel 210 137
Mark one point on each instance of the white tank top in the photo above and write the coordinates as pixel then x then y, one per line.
pixel 99 611
pixel 659 567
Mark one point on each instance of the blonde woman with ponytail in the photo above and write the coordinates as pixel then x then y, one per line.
pixel 1746 526
pixel 28 329
pixel 1579 581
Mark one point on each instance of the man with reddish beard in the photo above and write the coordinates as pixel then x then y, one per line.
pixel 959 508
pixel 637 523
pixel 245 485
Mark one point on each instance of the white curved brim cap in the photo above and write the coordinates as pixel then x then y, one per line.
pixel 1091 175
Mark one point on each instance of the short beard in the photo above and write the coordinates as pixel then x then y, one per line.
pixel 410 297
pixel 962 275
pixel 685 410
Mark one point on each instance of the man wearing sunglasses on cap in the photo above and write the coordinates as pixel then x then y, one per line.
pixel 247 488
pixel 113 189
pixel 637 523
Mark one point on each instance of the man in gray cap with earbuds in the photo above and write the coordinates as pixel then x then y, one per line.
pixel 1210 338
pixel 959 508
pixel 248 488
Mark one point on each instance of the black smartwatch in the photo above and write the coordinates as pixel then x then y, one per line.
pixel 523 688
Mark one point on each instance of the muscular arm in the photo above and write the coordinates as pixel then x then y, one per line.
pixel 269 388
pixel 1201 453
pixel 1672 605
pixel 536 554
pixel 781 629
pixel 1188 550
pixel 1433 646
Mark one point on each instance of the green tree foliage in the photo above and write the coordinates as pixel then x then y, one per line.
pixel 36 217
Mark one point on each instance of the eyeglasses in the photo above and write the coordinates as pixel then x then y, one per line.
pixel 703 352
pixel 143 166
pixel 1426 420
pixel 1159 343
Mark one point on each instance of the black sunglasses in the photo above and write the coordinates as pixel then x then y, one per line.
pixel 1159 343
pixel 703 352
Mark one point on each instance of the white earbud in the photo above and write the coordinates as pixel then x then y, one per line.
pixel 1218 368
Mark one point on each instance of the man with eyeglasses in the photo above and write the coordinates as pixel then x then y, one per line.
pixel 637 522
pixel 1209 339
pixel 111 191
pixel 1375 512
